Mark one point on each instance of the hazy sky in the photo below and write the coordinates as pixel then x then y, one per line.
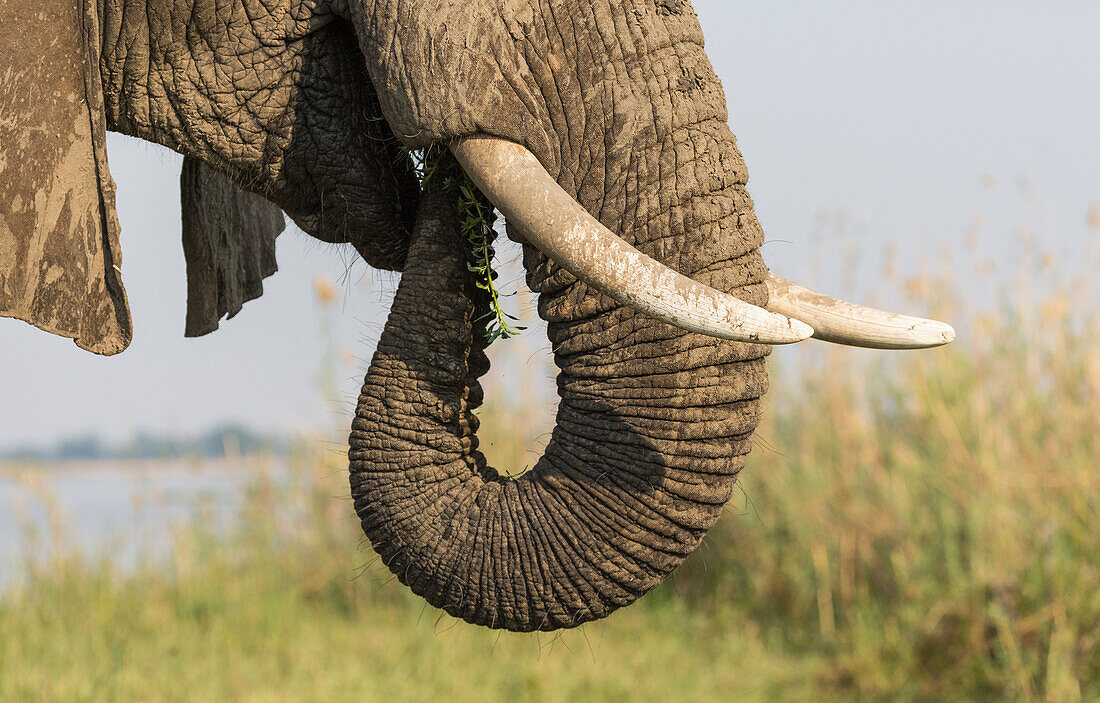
pixel 907 121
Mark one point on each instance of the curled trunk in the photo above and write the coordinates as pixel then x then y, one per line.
pixel 652 430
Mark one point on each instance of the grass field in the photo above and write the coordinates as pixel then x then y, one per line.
pixel 913 527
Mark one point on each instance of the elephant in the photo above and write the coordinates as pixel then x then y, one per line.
pixel 597 128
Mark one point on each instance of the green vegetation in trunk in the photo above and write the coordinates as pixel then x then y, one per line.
pixel 476 217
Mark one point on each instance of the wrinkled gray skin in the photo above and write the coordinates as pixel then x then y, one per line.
pixel 310 102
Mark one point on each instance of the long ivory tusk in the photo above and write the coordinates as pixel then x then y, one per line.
pixel 551 220
pixel 842 322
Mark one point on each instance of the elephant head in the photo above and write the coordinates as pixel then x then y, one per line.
pixel 597 128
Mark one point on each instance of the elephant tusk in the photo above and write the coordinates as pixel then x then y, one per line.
pixel 841 322
pixel 551 220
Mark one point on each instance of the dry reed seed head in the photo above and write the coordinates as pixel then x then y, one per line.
pixel 919 287
pixel 324 289
pixel 890 262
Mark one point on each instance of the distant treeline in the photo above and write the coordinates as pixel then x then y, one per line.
pixel 215 443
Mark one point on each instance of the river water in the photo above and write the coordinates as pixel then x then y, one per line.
pixel 123 511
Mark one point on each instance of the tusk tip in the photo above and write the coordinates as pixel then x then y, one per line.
pixel 779 329
pixel 940 333
pixel 800 330
pixel 775 329
pixel 948 334
pixel 928 334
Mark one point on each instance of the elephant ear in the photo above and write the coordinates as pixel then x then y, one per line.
pixel 59 249
pixel 229 243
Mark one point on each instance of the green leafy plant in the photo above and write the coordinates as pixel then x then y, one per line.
pixel 476 220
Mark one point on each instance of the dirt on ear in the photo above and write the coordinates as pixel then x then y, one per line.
pixel 59 250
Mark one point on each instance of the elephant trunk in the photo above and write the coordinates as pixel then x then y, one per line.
pixel 652 429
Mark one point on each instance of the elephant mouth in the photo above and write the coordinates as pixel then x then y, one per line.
pixel 514 180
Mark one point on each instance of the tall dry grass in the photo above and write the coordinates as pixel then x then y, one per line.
pixel 932 523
